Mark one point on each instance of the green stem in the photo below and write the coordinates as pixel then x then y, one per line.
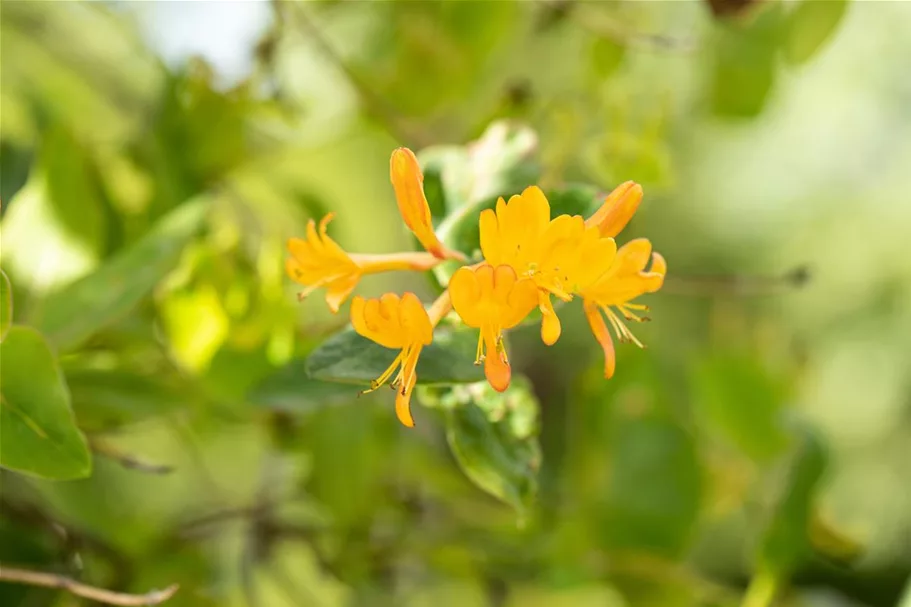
pixel 761 591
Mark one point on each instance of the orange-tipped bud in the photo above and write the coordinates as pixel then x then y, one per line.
pixel 618 208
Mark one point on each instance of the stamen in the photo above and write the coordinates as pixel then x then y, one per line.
pixel 626 332
pixel 479 355
pixel 382 379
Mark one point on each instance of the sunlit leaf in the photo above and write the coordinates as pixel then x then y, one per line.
pixel 348 357
pixel 55 229
pixel 38 433
pixel 6 304
pixel 493 437
pixel 75 312
pixel 810 26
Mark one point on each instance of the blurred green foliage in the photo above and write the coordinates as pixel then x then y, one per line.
pixel 172 414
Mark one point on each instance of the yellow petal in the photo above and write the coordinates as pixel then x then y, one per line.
pixel 338 291
pixel 466 292
pixel 550 323
pixel 599 329
pixel 617 210
pixel 496 367
pixel 414 322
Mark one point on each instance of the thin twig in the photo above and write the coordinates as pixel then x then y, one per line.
pixel 739 285
pixel 109 597
pixel 128 461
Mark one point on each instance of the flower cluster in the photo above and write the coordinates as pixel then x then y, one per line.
pixel 529 258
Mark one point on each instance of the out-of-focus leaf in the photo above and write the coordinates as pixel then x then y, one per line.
pixel 574 596
pixel 6 305
pixel 55 229
pixel 832 543
pixel 105 398
pixel 654 491
pixel 75 312
pixel 742 403
pixel 291 389
pixel 348 357
pixel 196 325
pixel 499 163
pixel 38 433
pixel 574 199
pixel 785 542
pixel 606 56
pixel 809 26
pixel 494 439
pixel 744 64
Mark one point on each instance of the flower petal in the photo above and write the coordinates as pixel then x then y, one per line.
pixel 599 329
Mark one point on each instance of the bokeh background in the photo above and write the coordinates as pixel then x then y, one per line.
pixel 763 439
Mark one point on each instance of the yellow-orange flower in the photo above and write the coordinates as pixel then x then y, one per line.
pixel 492 300
pixel 561 256
pixel 408 183
pixel 626 279
pixel 398 323
pixel 318 261
pixel 618 208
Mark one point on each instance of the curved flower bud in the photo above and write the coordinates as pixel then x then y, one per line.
pixel 618 208
pixel 398 323
pixel 408 183
pixel 492 300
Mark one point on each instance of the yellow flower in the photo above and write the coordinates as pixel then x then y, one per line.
pixel 317 261
pixel 624 281
pixel 618 208
pixel 492 300
pixel 408 183
pixel 561 256
pixel 398 323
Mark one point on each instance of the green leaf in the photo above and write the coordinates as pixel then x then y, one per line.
pixel 493 437
pixel 38 433
pixel 105 398
pixel 742 403
pixel 348 357
pixel 744 64
pixel 785 542
pixel 574 199
pixel 77 311
pixel 6 305
pixel 606 56
pixel 290 389
pixel 654 490
pixel 809 26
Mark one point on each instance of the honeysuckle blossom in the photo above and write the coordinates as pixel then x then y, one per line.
pixel 528 257
pixel 397 323
pixel 561 255
pixel 492 300
pixel 318 261
pixel 626 280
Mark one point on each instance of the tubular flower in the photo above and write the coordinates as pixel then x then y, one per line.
pixel 618 208
pixel 318 261
pixel 492 300
pixel 561 256
pixel 398 323
pixel 408 183
pixel 626 279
